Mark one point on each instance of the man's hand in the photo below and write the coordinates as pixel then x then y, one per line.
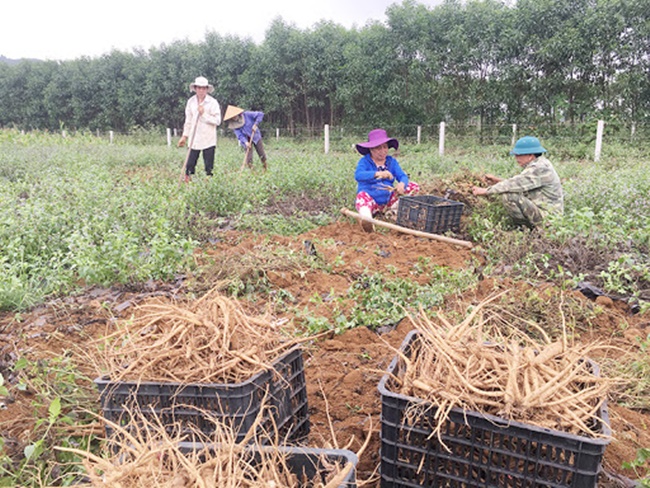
pixel 491 179
pixel 181 141
pixel 478 191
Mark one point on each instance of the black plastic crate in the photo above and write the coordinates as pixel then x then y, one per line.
pixel 305 462
pixel 282 391
pixel 429 213
pixel 485 450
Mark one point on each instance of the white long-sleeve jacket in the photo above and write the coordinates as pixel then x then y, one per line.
pixel 206 132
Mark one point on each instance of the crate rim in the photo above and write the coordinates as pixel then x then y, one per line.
pixel 352 456
pixel 455 203
pixel 496 420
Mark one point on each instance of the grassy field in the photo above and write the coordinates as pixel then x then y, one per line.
pixel 77 211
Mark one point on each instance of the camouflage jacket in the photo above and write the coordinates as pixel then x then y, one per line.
pixel 538 182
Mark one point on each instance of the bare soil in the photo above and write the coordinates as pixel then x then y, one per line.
pixel 342 371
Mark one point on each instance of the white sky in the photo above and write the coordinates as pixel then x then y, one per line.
pixel 69 29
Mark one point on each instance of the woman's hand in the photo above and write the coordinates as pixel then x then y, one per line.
pixel 384 175
pixel 400 189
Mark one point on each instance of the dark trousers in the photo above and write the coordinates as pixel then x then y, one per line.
pixel 208 160
pixel 259 148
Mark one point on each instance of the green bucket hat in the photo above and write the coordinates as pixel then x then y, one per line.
pixel 527 145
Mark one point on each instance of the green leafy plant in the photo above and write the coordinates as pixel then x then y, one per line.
pixel 60 399
pixel 640 466
pixel 380 301
pixel 3 389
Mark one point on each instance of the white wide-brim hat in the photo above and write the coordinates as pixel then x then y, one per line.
pixel 201 81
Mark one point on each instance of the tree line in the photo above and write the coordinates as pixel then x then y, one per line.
pixel 493 61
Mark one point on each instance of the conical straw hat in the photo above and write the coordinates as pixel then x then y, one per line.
pixel 232 111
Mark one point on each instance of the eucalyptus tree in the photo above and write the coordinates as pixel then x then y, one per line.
pixel 56 97
pixel 273 78
pixel 440 54
pixel 21 93
pixel 367 90
pixel 172 67
pixel 323 64
pixel 628 56
pixel 477 41
pixel 70 95
pixel 223 60
pixel 117 87
pixel 559 47
pixel 415 41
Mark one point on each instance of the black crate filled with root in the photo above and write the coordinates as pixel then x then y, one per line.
pixel 429 213
pixel 195 363
pixel 461 412
pixel 148 452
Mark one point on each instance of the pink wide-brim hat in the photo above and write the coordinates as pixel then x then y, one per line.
pixel 377 137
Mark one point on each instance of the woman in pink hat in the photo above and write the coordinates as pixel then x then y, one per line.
pixel 380 179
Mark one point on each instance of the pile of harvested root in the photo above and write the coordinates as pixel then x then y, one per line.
pixel 151 457
pixel 477 367
pixel 209 340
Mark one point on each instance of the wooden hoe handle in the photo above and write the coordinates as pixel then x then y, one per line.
pixel 405 230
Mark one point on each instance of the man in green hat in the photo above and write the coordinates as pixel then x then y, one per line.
pixel 529 196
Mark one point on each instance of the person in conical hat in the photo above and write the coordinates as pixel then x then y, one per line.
pixel 245 125
pixel 380 178
pixel 202 116
pixel 532 194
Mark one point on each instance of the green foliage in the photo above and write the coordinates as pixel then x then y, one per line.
pixel 379 301
pixel 60 398
pixel 3 388
pixel 491 61
pixel 76 217
pixel 640 466
pixel 634 375
pixel 622 274
pixel 83 212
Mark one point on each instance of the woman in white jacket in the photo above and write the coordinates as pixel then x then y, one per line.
pixel 202 116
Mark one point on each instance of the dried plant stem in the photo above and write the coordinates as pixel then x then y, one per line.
pixel 484 364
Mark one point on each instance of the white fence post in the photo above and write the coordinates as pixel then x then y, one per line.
pixel 441 140
pixel 169 137
pixel 277 133
pixel 110 137
pixel 633 130
pixel 327 138
pixel 514 134
pixel 419 133
pixel 599 140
